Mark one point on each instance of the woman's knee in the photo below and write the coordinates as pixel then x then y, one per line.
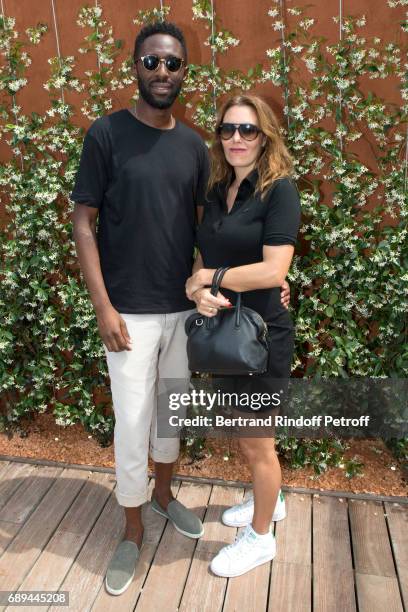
pixel 256 449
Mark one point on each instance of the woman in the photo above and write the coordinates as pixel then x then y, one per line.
pixel 250 224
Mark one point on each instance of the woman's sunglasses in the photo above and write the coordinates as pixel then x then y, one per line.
pixel 152 62
pixel 247 131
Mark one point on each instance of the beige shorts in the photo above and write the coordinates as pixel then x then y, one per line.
pixel 158 352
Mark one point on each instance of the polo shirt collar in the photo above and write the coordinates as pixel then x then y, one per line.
pixel 252 178
pixel 249 181
pixel 246 189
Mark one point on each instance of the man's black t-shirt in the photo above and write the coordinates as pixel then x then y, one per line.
pixel 146 183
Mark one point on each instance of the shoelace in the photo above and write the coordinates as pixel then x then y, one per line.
pixel 241 544
pixel 245 505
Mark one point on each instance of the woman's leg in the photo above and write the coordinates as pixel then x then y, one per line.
pixel 266 477
pixel 256 544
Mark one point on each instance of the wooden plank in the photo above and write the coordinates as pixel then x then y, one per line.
pixel 33 488
pixel 25 498
pixel 250 591
pixel 293 535
pixel 4 466
pixel 333 575
pixel 397 517
pixel 154 525
pixel 204 592
pixel 378 593
pixel 332 585
pixel 86 574
pixel 371 546
pixel 291 587
pixel 331 539
pixel 291 568
pixel 89 569
pixel 13 477
pixel 35 533
pixel 57 557
pixel 165 582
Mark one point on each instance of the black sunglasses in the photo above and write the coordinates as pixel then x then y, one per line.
pixel 247 131
pixel 152 62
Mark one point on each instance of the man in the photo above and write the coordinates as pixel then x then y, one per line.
pixel 145 174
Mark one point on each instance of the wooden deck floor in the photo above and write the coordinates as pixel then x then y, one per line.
pixel 59 527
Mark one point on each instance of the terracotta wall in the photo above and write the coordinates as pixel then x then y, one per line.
pixel 248 20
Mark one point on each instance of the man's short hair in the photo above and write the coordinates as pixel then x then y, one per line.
pixel 159 27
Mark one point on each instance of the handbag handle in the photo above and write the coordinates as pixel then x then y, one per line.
pixel 215 286
pixel 217 280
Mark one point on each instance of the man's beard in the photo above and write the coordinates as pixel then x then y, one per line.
pixel 151 100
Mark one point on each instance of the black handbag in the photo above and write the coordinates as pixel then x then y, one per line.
pixel 232 342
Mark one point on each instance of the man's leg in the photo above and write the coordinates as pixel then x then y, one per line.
pixel 133 377
pixel 173 364
pixel 162 486
pixel 134 525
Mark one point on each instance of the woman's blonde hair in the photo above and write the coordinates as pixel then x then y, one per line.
pixel 274 161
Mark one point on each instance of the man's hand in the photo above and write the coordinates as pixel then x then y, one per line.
pixel 208 304
pixel 285 294
pixel 113 330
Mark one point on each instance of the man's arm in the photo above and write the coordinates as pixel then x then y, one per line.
pixel 112 327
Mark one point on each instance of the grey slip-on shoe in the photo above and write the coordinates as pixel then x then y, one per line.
pixel 183 519
pixel 122 567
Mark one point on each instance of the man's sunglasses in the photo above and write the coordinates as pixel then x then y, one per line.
pixel 152 62
pixel 247 131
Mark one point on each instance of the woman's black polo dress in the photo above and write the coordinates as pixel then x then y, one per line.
pixel 236 239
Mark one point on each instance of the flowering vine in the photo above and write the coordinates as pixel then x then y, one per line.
pixel 350 274
pixel 350 277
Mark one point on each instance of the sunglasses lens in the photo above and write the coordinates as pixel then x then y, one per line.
pixel 226 130
pixel 173 63
pixel 248 131
pixel 150 62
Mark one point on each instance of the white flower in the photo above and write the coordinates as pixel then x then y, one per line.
pixel 17 84
pixel 306 23
pixel 311 63
pixel 278 25
pixel 343 83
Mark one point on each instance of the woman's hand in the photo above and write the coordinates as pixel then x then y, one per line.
pixel 208 304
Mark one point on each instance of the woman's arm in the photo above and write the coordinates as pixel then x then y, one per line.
pixel 270 272
pixel 203 298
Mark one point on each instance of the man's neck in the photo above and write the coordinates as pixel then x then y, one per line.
pixel 156 117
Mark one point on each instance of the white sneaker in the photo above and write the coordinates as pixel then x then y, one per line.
pixel 248 551
pixel 242 514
